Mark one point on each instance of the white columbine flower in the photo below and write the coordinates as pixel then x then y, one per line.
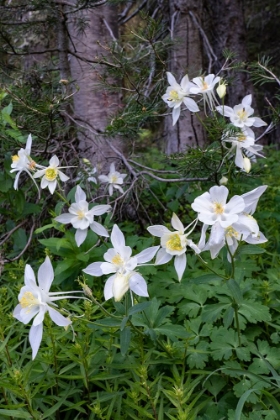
pixel 35 301
pixel 240 115
pixel 245 228
pixel 119 261
pixel 50 174
pixel 243 142
pixel 173 244
pixel 114 179
pixel 22 162
pixel 177 94
pixel 204 86
pixel 82 218
pixel 212 207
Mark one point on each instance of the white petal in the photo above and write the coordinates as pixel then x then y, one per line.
pixel 191 105
pixel 28 145
pixel 62 176
pixel 162 257
pixel 54 162
pixel 171 79
pixel 108 268
pixel 120 286
pixel 225 110
pixel 80 195
pixel 147 254
pixel 29 276
pixel 35 338
pixel 94 269
pixel 202 239
pixel 138 285
pixel 259 122
pixel 57 318
pixel 51 185
pixel 80 236
pixel 216 240
pixel 175 115
pixel 251 198
pixel 235 205
pixel 108 288
pixel 39 318
pixel 98 210
pixel 117 238
pixel 177 224
pixel 247 100
pixel 40 173
pixel 260 239
pixel 98 229
pixel 45 275
pixel 16 180
pixel 64 218
pixel 180 262
pixel 103 178
pixel 219 194
pixel 158 230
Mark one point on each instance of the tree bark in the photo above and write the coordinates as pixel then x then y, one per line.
pixel 185 57
pixel 93 105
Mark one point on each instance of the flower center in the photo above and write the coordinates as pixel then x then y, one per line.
pixel 15 158
pixel 242 114
pixel 117 260
pixel 173 96
pixel 28 300
pixel 241 137
pixel 174 243
pixel 32 165
pixel 51 174
pixel 218 208
pixel 80 214
pixel 114 179
pixel 232 232
pixel 204 85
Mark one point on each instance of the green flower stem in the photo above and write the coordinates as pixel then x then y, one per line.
pixel 62 198
pixel 55 369
pixel 237 323
pixel 211 269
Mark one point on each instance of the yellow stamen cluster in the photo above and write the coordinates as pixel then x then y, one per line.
pixel 218 208
pixel 232 232
pixel 173 96
pixel 51 174
pixel 113 178
pixel 204 85
pixel 242 114
pixel 28 300
pixel 80 214
pixel 117 260
pixel 32 165
pixel 174 243
pixel 241 137
pixel 15 158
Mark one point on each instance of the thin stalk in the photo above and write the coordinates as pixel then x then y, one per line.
pixel 57 414
pixel 237 324
pixel 211 269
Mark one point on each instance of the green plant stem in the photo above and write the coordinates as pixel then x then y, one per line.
pixel 57 414
pixel 237 324
pixel 62 198
pixel 103 309
pixel 211 269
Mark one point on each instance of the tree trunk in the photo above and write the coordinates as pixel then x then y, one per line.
pixel 93 105
pixel 185 57
pixel 228 31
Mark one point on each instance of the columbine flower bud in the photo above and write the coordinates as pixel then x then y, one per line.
pixel 221 89
pixel 223 180
pixel 246 164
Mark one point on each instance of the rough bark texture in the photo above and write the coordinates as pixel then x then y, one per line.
pixel 185 57
pixel 228 31
pixel 93 105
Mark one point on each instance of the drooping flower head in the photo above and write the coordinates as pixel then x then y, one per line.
pixel 22 162
pixel 177 94
pixel 50 174
pixel 35 300
pixel 241 115
pixel 82 218
pixel 119 260
pixel 114 179
pixel 204 86
pixel 244 145
pixel 173 244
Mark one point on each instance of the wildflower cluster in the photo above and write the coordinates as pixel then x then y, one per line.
pixel 224 223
